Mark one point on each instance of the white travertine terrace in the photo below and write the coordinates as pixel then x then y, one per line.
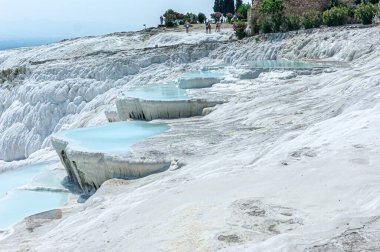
pixel 135 108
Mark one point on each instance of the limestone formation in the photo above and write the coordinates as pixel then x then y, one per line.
pixel 140 109
pixel 89 170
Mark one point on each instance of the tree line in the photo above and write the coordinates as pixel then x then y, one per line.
pixel 227 6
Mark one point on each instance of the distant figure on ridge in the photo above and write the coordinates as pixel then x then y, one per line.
pixel 161 20
pixel 217 27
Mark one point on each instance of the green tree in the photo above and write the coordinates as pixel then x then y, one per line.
pixel 218 5
pixel 228 6
pixel 201 18
pixel 243 10
pixel 275 9
pixel 238 4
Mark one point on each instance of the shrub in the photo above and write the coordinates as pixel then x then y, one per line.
pixel 292 23
pixel 311 19
pixel 365 13
pixel 201 18
pixel 275 9
pixel 239 29
pixel 336 16
pixel 265 25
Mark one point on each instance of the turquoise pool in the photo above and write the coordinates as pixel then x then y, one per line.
pixel 114 138
pixel 168 92
pixel 16 202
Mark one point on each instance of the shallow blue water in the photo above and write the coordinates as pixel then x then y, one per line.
pixel 283 64
pixel 159 92
pixel 114 138
pixel 202 74
pixel 17 203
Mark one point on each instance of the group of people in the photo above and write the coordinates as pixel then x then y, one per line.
pixel 209 27
pixel 187 25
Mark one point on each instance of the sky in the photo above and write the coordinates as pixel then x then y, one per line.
pixel 50 19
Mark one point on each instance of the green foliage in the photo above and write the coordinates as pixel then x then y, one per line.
pixel 218 5
pixel 272 7
pixel 336 16
pixel 292 23
pixel 191 18
pixel 243 10
pixel 238 4
pixel 265 24
pixel 201 17
pixel 275 9
pixel 170 18
pixel 311 19
pixel 224 6
pixel 365 13
pixel 239 28
pixel 9 75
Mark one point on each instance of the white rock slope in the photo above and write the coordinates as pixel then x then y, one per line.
pixel 289 163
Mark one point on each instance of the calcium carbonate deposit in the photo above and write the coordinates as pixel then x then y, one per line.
pixel 287 161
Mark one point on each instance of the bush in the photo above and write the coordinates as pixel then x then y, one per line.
pixel 311 19
pixel 336 16
pixel 239 29
pixel 365 13
pixel 292 23
pixel 201 18
pixel 191 18
pixel 275 9
pixel 265 25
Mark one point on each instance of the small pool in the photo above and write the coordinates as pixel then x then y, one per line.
pixel 203 74
pixel 168 92
pixel 199 79
pixel 18 199
pixel 114 138
pixel 283 64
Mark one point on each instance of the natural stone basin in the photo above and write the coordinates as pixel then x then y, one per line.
pixel 93 155
pixel 158 102
pixel 283 64
pixel 168 92
pixel 254 68
pixel 199 79
pixel 29 190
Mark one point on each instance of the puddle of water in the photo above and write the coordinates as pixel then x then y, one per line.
pixel 17 203
pixel 114 138
pixel 159 93
pixel 284 64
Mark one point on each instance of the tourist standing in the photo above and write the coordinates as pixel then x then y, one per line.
pixel 209 27
pixel 162 20
pixel 206 27
pixel 187 26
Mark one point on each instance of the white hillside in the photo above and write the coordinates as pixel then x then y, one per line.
pixel 289 163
